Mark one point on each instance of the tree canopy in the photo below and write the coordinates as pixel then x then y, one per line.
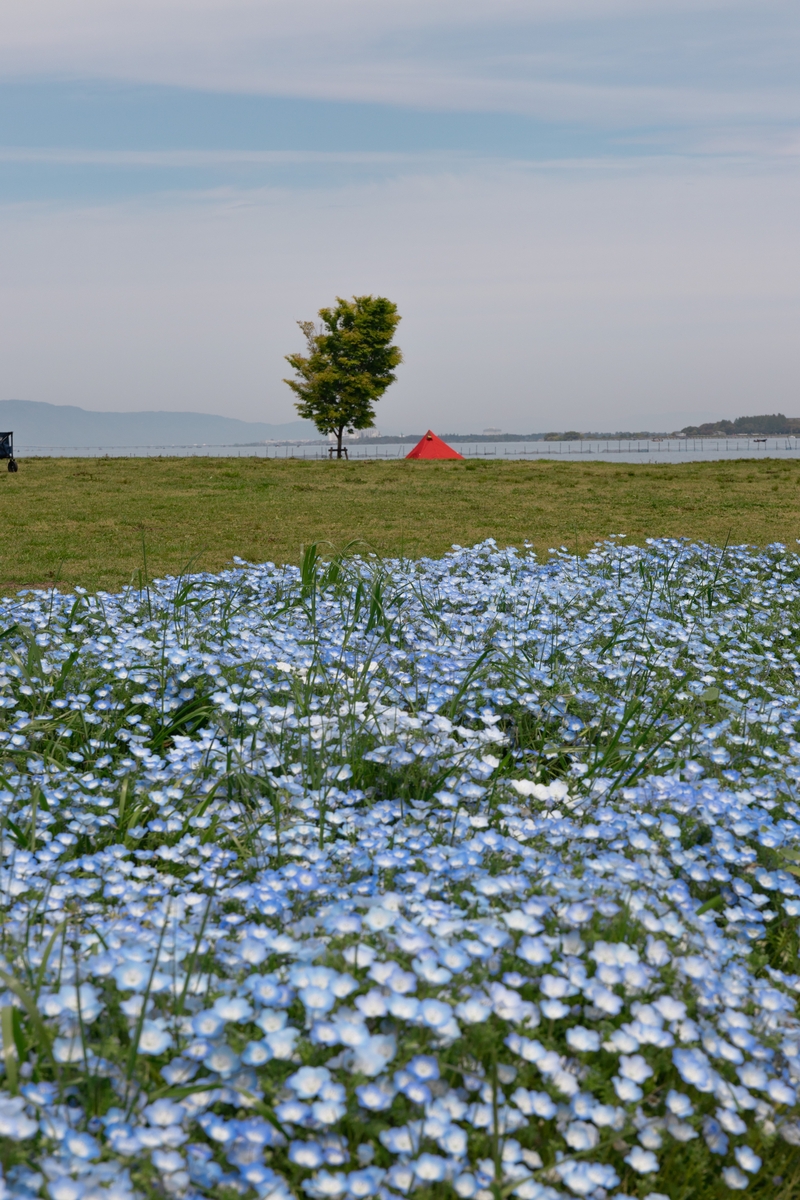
pixel 349 364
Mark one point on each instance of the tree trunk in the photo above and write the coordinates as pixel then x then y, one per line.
pixel 339 435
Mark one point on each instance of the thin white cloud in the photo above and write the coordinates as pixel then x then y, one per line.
pixel 523 56
pixel 751 147
pixel 59 156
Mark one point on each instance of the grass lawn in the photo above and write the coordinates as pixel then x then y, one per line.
pixel 82 521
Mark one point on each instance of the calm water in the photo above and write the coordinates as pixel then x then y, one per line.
pixel 666 450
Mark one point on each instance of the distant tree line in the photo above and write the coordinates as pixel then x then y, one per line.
pixel 769 425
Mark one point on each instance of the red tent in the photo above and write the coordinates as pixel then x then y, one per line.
pixel 431 446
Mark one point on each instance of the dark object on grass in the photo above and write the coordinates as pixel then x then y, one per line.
pixel 7 450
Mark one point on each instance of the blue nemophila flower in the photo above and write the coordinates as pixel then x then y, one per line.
pixel 154 1038
pixel 257 877
pixel 306 1154
pixel 583 1040
pixel 208 1024
pixel 377 1096
pixel 15 1123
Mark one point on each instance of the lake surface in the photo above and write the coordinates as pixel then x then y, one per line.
pixel 655 450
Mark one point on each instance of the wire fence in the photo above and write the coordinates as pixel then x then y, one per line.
pixel 613 449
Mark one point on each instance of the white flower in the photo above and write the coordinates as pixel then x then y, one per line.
pixel 430 1168
pixel 424 1066
pixel 657 952
pixel 693 1067
pixel 537 1104
pixel 780 1092
pixel 464 1186
pixel 747 1159
pixel 602 997
pixel 406 1008
pixel 208 1024
pixel 507 1004
pixel 474 1010
pixel 164 1112
pixel 402 982
pixel 583 1040
pixel 252 950
pixel 635 1067
pixel 626 1089
pixel 379 918
pixel 454 1141
pixel 154 1039
pixel 642 1161
pixel 317 999
pixel 752 1076
pixel 327 1184
pixel 256 1054
pixel 730 1121
pixel 167 1160
pixel 281 1041
pixel 533 950
pixel 735 1179
pixel 522 921
pixel 64 1187
pixel 695 967
pixel 577 914
pixel 565 1082
pixel 67 1050
pixel 83 1001
pixel 583 1178
pixel 327 1112
pixel 678 1104
pixel 81 1145
pixel 607 1116
pixel 233 1008
pixel 306 1154
pixel 371 1057
pixel 435 1013
pixel 14 1122
pixel 360 955
pixel 132 976
pixel 308 1081
pixel 222 1060
pixel 375 1096
pixel 555 987
pixel 372 1004
pixel 350 1028
pixel 271 1020
pixel 670 1008
pixel 581 1136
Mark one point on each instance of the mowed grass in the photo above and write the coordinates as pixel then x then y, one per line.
pixel 83 521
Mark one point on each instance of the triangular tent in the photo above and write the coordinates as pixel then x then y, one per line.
pixel 431 446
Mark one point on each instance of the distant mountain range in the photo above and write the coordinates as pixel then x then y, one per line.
pixel 39 427
pixel 65 426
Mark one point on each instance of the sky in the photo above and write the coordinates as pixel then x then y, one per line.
pixel 586 210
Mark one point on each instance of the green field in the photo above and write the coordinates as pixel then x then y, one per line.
pixel 83 521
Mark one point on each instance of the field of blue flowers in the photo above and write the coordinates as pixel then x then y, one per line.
pixel 475 877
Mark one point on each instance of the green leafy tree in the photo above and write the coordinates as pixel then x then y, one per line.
pixel 349 364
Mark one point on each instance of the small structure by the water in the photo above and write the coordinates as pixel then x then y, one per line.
pixel 7 450
pixel 431 446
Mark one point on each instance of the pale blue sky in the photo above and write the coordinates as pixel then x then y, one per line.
pixel 585 210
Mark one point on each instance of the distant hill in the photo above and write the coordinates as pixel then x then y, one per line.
pixel 768 425
pixel 37 426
